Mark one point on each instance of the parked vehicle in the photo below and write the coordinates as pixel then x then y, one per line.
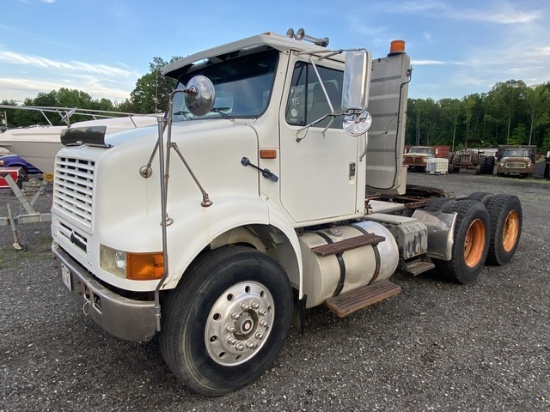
pixel 416 157
pixel 516 160
pixel 12 160
pixel 481 160
pixel 257 198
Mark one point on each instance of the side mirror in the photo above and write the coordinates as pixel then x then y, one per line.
pixel 355 91
pixel 200 95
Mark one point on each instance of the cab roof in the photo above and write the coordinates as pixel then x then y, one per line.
pixel 220 53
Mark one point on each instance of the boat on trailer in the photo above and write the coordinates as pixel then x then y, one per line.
pixel 39 144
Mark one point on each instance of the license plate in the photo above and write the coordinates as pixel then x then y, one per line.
pixel 66 276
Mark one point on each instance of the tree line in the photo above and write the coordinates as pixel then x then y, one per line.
pixel 150 95
pixel 511 113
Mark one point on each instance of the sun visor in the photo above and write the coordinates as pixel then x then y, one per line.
pixel 78 136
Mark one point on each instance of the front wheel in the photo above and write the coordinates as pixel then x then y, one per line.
pixel 471 242
pixel 227 320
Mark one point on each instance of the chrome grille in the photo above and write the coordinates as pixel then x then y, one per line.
pixel 515 165
pixel 73 184
pixel 73 236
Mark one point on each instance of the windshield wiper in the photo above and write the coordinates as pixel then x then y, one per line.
pixel 182 113
pixel 222 110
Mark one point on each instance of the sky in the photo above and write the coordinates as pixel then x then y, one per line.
pixel 102 47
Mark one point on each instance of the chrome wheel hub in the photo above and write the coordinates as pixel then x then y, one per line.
pixel 239 323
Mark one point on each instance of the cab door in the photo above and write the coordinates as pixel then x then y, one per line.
pixel 319 162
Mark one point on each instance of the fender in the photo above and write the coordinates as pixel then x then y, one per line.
pixel 228 215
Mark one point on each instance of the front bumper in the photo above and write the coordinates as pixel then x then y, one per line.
pixel 125 318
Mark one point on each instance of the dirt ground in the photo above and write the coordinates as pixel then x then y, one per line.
pixel 436 346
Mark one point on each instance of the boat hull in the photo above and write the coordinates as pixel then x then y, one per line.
pixel 39 145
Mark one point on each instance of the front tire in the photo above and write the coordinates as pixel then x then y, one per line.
pixel 227 320
pixel 471 242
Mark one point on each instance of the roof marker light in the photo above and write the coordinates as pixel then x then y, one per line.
pixel 397 47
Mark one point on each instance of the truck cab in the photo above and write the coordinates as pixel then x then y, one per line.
pixel 247 204
pixel 417 157
pixel 516 160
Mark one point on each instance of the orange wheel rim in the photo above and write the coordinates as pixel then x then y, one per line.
pixel 510 231
pixel 474 244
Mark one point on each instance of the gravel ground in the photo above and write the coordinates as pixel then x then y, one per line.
pixel 436 346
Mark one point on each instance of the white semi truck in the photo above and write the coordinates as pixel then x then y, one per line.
pixel 259 195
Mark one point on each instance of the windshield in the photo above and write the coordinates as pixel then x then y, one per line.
pixel 243 85
pixel 516 152
pixel 422 150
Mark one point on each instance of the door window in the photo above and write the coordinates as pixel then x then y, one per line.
pixel 307 101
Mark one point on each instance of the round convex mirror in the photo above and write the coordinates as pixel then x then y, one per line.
pixel 200 95
pixel 357 124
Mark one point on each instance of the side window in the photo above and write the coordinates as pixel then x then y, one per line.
pixel 307 101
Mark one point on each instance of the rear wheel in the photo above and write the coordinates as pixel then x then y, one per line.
pixel 482 197
pixel 506 223
pixel 439 204
pixel 490 164
pixel 471 242
pixel 226 322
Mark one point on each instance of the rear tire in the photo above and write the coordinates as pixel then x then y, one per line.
pixel 471 242
pixel 490 164
pixel 227 320
pixel 506 223
pixel 482 197
pixel 439 204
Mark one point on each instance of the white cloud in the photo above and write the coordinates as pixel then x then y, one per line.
pixel 502 12
pixel 72 66
pixel 35 74
pixel 19 89
pixel 426 62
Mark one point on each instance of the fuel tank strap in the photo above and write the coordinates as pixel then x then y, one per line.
pixel 348 244
pixel 376 254
pixel 341 263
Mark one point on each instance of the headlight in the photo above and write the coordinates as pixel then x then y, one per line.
pixel 135 266
pixel 120 261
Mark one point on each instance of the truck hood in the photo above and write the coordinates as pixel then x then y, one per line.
pixel 151 132
pixel 417 155
pixel 515 159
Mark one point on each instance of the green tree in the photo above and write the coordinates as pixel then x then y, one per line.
pixel 451 110
pixel 510 95
pixel 152 90
pixel 473 113
pixel 537 99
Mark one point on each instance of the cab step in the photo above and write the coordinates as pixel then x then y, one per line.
pixel 348 244
pixel 349 302
pixel 417 266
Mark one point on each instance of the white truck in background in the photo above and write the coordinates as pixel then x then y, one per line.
pixel 259 195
